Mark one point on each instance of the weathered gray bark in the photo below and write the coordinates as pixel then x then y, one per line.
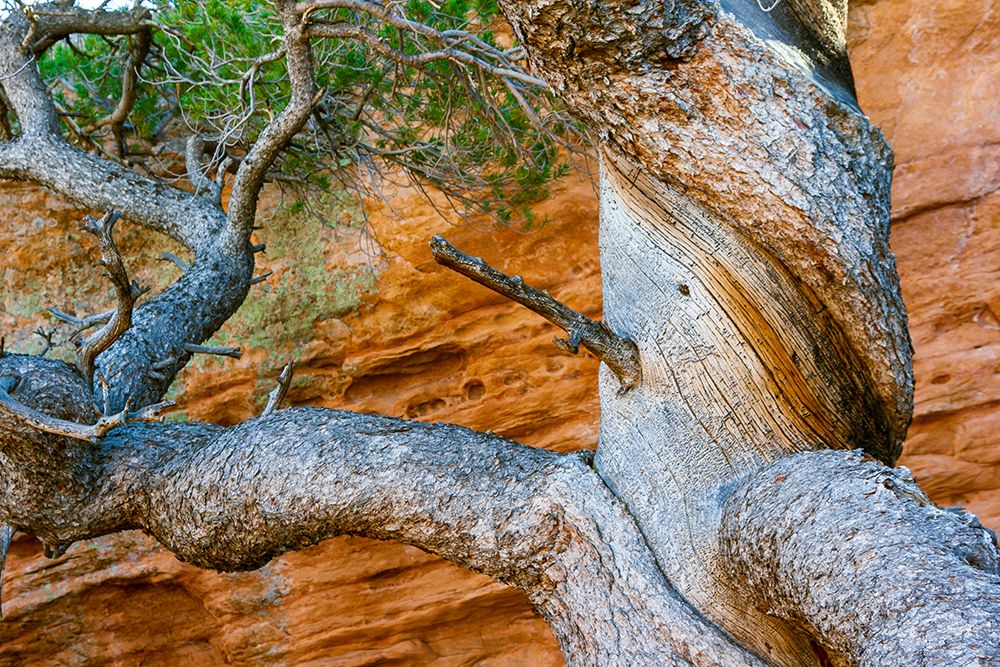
pixel 744 225
pixel 885 601
pixel 232 499
pixel 744 248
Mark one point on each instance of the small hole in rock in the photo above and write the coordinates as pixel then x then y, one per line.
pixel 424 408
pixel 474 390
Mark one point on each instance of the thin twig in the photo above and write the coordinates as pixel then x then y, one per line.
pixel 277 394
pixel 83 322
pixel 46 335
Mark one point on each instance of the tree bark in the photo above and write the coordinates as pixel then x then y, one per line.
pixel 232 499
pixel 856 556
pixel 744 248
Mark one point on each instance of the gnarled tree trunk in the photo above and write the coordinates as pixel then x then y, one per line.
pixel 744 248
pixel 755 338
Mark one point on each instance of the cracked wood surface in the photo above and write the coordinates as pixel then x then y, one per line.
pixel 745 127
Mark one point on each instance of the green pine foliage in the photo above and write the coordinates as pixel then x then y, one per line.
pixel 448 124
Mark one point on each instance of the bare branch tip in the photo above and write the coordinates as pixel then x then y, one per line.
pixel 261 278
pixel 234 352
pixel 277 395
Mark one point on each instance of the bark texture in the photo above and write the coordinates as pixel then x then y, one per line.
pixel 748 132
pixel 232 499
pixel 744 244
pixel 886 601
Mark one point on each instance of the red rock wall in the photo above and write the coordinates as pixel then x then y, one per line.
pixel 429 345
pixel 929 74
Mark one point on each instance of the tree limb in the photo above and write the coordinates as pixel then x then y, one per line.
pixel 194 307
pixel 531 518
pixel 121 318
pixel 233 498
pixel 855 555
pixel 274 138
pixel 620 354
pixel 50 22
pixel 41 155
pixel 138 49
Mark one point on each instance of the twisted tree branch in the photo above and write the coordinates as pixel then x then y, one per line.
pixel 194 307
pixel 121 317
pixel 856 556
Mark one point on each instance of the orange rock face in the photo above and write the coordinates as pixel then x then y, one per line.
pixel 429 345
pixel 929 74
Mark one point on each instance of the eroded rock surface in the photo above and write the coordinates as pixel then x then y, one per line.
pixel 929 74
pixel 429 345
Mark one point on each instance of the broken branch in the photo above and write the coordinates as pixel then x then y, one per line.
pixel 261 278
pixel 620 354
pixel 277 394
pixel 233 352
